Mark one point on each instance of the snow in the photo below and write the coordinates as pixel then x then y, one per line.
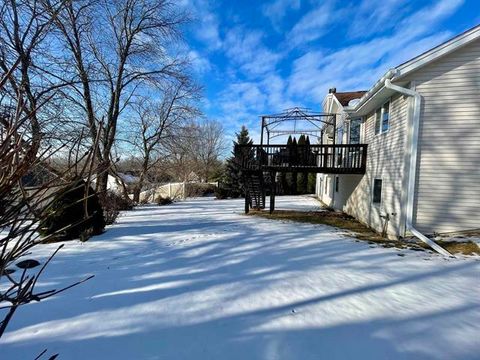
pixel 299 203
pixel 199 280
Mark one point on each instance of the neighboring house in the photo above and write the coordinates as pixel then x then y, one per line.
pixel 39 175
pixel 421 122
pixel 114 183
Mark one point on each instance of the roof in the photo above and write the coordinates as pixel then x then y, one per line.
pixel 436 52
pixel 39 175
pixel 419 61
pixel 345 97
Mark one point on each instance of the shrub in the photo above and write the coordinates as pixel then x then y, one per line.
pixel 221 193
pixel 164 200
pixel 112 204
pixel 66 218
pixel 225 193
pixel 199 189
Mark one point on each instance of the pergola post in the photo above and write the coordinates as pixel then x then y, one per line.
pixel 263 128
pixel 334 155
pixel 334 129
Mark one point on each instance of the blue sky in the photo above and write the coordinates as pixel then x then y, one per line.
pixel 258 57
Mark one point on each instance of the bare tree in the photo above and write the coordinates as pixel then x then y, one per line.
pixel 154 121
pixel 22 210
pixel 178 151
pixel 195 150
pixel 27 86
pixel 26 90
pixel 211 147
pixel 117 47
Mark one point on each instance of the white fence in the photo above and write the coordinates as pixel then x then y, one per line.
pixel 176 190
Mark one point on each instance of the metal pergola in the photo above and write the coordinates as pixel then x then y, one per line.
pixel 301 121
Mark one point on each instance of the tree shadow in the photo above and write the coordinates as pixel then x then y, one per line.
pixel 194 284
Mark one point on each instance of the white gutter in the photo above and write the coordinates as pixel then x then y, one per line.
pixel 378 85
pixel 413 137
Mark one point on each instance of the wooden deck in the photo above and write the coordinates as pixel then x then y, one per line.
pixel 328 159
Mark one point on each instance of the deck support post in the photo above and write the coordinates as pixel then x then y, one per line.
pixel 247 202
pixel 273 188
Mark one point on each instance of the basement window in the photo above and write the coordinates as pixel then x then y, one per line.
pixel 377 191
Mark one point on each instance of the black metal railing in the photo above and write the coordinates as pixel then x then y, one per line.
pixel 337 159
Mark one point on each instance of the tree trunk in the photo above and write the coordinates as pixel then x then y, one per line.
pixel 102 181
pixel 136 194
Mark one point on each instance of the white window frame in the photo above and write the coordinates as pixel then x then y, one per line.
pixel 381 108
pixel 377 203
pixel 360 130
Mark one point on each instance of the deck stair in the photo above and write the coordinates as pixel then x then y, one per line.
pixel 256 190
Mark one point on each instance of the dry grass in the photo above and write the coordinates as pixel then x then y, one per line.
pixel 360 231
pixel 455 247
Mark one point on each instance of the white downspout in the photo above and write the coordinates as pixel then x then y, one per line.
pixel 413 165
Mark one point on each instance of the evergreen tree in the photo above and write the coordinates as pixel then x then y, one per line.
pixel 312 180
pixel 75 212
pixel 302 160
pixel 291 177
pixel 232 180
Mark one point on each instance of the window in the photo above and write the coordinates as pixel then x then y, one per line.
pixel 382 118
pixel 339 139
pixel 377 191
pixel 337 183
pixel 355 126
pixel 385 116
pixel 378 118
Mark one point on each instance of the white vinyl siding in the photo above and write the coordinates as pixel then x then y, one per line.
pixel 386 161
pixel 448 177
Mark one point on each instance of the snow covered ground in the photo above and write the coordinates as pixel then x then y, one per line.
pixel 199 280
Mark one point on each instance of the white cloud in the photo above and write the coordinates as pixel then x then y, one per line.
pixel 356 67
pixel 209 32
pixel 276 10
pixel 246 49
pixel 244 101
pixel 314 24
pixel 253 83
pixel 199 63
pixel 206 26
pixel 372 16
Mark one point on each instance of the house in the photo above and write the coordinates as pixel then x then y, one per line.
pixel 119 181
pixel 421 122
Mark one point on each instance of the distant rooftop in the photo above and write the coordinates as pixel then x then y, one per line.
pixel 345 97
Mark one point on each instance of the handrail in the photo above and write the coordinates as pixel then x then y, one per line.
pixel 301 146
pixel 338 158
